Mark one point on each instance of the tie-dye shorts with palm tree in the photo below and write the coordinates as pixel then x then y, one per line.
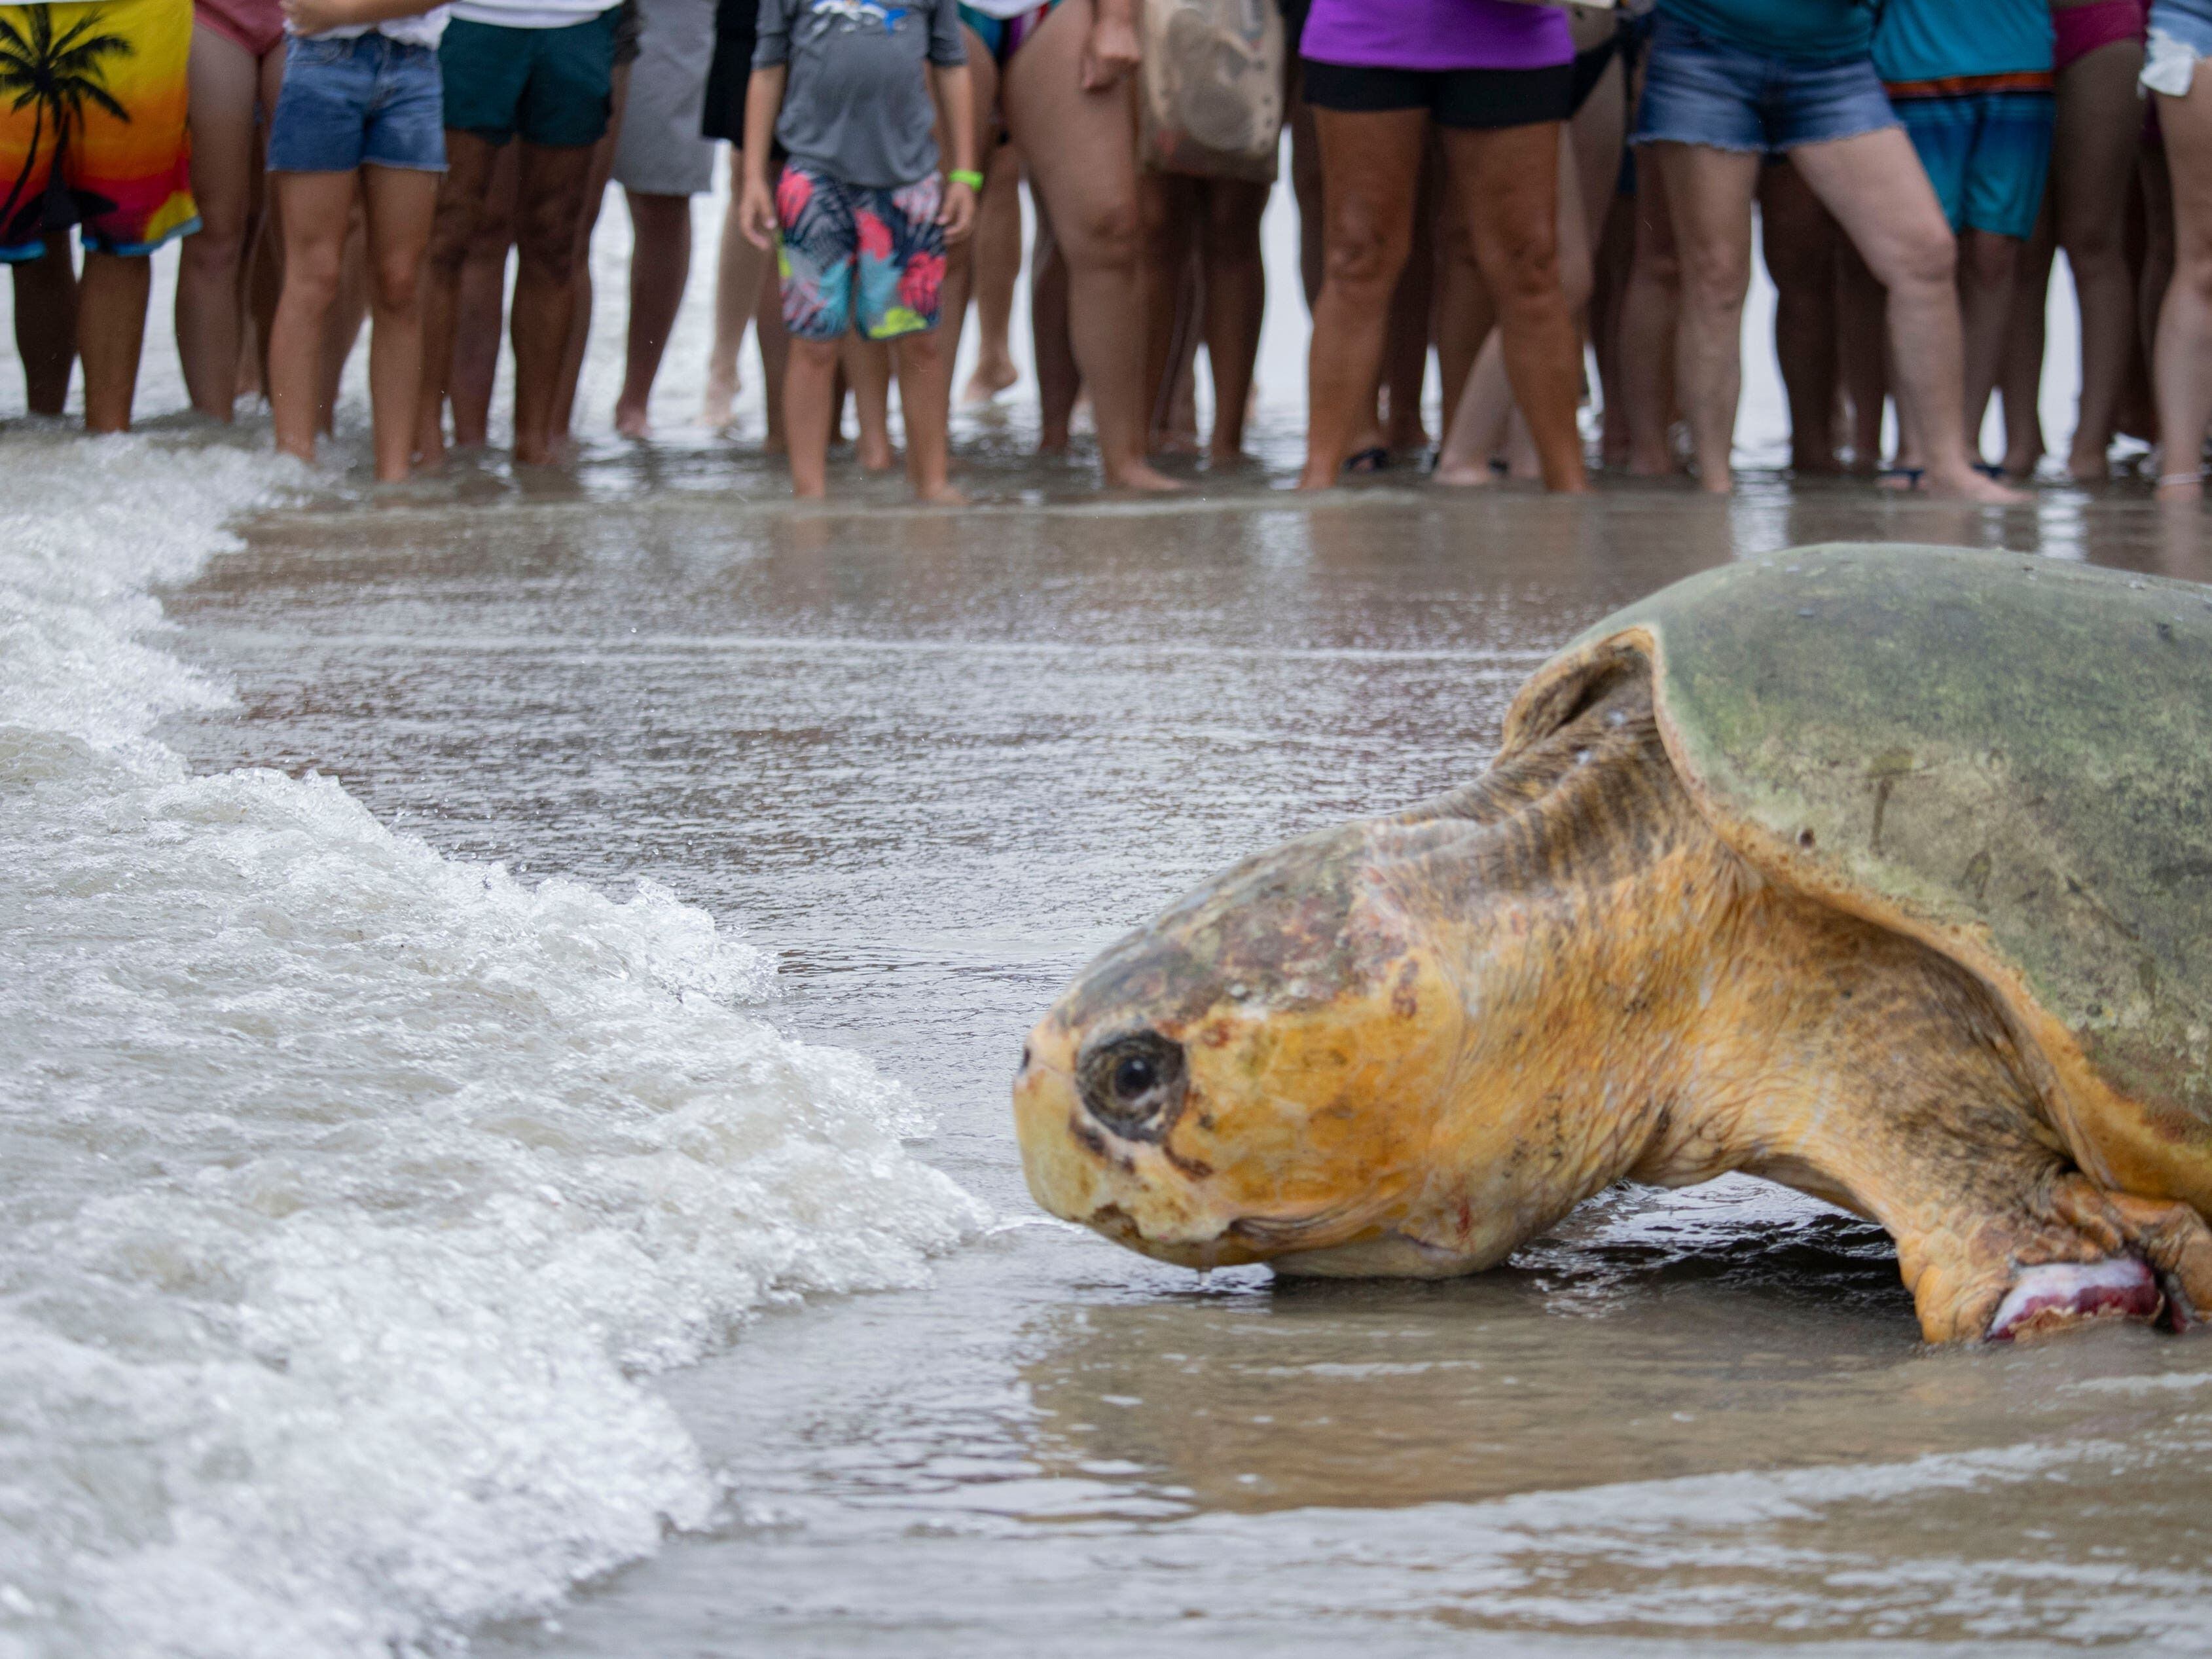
pixel 91 124
pixel 851 255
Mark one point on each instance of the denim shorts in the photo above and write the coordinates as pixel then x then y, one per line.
pixel 1697 90
pixel 553 87
pixel 2180 39
pixel 369 99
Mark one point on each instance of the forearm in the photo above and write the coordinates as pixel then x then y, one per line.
pixel 764 102
pixel 956 100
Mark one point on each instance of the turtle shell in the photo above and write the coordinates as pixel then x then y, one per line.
pixel 2006 757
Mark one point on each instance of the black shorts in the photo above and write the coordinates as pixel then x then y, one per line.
pixel 737 23
pixel 1470 98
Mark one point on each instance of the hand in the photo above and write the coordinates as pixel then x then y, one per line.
pixel 957 215
pixel 756 212
pixel 1109 54
pixel 313 16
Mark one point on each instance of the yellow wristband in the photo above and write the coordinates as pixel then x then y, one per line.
pixel 961 176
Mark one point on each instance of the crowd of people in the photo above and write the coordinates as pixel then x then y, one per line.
pixel 1555 202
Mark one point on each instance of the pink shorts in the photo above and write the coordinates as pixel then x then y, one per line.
pixel 2077 31
pixel 256 24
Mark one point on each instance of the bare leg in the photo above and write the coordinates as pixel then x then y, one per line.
pixel 2093 160
pixel 1369 162
pixel 2182 366
pixel 225 83
pixel 1170 204
pixel 738 266
pixel 1989 267
pixel 2152 216
pixel 1412 312
pixel 868 372
pixel 775 353
pixel 481 330
pixel 1236 302
pixel 46 325
pixel 810 374
pixel 1799 239
pixel 317 210
pixel 2020 383
pixel 923 387
pixel 1059 380
pixel 1081 154
pixel 1873 183
pixel 401 204
pixel 548 236
pixel 1861 312
pixel 460 199
pixel 1709 193
pixel 997 263
pixel 659 266
pixel 1649 325
pixel 342 324
pixel 1479 427
pixel 110 333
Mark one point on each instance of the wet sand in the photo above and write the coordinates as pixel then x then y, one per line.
pixel 933 761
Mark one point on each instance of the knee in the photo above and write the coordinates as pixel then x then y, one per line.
pixel 1989 260
pixel 312 275
pixel 1363 254
pixel 547 239
pixel 922 346
pixel 1717 276
pixel 397 283
pixel 1109 236
pixel 217 245
pixel 449 238
pixel 1928 258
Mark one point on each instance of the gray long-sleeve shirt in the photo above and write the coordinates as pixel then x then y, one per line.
pixel 856 104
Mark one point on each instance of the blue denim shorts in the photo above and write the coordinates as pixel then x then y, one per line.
pixel 1697 90
pixel 369 99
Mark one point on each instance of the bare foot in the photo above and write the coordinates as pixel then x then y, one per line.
pixel 721 399
pixel 2187 488
pixel 1174 443
pixel 629 420
pixel 939 494
pixel 988 381
pixel 1967 484
pixel 2082 466
pixel 430 454
pixel 1463 475
pixel 875 454
pixel 1218 459
pixel 1139 474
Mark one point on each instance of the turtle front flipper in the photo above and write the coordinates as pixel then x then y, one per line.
pixel 2065 1254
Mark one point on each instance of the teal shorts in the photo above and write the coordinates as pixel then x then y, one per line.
pixel 1986 153
pixel 552 86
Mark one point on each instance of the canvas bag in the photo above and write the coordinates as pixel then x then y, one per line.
pixel 1209 87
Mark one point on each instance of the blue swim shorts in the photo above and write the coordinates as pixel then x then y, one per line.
pixel 1697 90
pixel 1987 153
pixel 367 99
pixel 554 87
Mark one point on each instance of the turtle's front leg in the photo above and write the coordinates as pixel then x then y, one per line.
pixel 2065 1252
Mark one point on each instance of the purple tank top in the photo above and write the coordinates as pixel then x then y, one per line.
pixel 1437 34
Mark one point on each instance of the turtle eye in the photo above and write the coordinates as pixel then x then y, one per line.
pixel 1132 1083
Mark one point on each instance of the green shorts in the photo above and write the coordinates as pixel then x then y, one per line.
pixel 554 87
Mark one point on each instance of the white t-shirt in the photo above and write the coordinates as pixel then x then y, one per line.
pixel 529 14
pixel 418 31
pixel 1002 7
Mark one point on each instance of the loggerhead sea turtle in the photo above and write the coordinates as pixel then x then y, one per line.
pixel 1885 872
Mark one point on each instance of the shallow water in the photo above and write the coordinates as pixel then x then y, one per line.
pixel 934 761
pixel 420 1234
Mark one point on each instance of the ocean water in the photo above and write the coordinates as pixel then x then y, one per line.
pixel 490 968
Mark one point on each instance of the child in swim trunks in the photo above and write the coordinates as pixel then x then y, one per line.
pixel 860 216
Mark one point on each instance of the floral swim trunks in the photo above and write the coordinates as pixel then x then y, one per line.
pixel 112 73
pixel 851 254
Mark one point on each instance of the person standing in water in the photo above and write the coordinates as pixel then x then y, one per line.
pixel 859 214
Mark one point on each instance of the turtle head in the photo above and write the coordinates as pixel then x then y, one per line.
pixel 1256 1075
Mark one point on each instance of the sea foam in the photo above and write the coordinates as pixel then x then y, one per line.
pixel 347 1191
